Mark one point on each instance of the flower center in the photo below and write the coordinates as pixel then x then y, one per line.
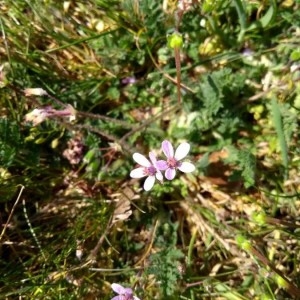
pixel 173 163
pixel 126 296
pixel 150 171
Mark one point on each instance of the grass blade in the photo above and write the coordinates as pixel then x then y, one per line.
pixel 278 124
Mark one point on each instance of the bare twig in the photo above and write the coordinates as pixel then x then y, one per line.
pixel 11 212
pixel 147 122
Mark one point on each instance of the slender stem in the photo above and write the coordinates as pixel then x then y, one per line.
pixel 147 252
pixel 103 134
pixel 94 252
pixel 178 72
pixel 105 118
pixel 191 247
pixel 173 80
pixel 291 288
pixel 12 211
pixel 146 123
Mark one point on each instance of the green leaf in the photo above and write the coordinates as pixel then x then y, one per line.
pixel 240 9
pixel 247 163
pixel 266 19
pixel 295 55
pixel 278 124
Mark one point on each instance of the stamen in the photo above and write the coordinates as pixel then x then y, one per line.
pixel 172 162
pixel 151 171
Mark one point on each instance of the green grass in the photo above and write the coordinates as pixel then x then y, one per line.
pixel 74 222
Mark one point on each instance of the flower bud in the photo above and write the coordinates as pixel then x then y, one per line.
pixel 35 92
pixel 175 40
pixel 259 217
pixel 243 242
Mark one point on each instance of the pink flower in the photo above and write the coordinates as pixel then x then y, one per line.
pixel 173 162
pixel 148 169
pixel 123 293
pixel 38 115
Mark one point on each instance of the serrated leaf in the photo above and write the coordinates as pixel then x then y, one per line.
pixel 247 164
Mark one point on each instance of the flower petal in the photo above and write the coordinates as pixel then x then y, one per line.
pixel 159 176
pixel 162 165
pixel 182 151
pixel 137 173
pixel 149 182
pixel 167 148
pixel 141 160
pixel 136 298
pixel 116 297
pixel 170 173
pixel 186 167
pixel 117 288
pixel 153 158
pixel 128 292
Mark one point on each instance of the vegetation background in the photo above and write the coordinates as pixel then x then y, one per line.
pixel 73 221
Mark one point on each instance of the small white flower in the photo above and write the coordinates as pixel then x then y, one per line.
pixel 148 169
